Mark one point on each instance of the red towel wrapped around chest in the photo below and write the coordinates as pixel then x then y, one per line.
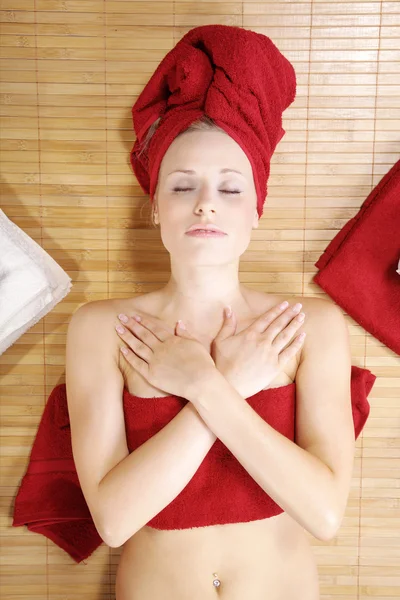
pixel 50 500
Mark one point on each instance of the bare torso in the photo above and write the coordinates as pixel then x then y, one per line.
pixel 269 559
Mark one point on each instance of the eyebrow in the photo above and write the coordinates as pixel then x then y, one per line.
pixel 191 172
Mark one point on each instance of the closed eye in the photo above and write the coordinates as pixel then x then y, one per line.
pixel 191 189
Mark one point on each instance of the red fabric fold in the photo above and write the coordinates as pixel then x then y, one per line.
pixel 50 500
pixel 358 267
pixel 235 76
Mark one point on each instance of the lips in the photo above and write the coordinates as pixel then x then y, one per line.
pixel 206 227
pixel 205 233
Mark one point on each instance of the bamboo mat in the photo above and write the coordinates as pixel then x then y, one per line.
pixel 70 72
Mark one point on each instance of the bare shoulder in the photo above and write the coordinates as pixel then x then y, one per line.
pixel 101 316
pixel 98 311
pixel 112 307
pixel 316 309
pixel 320 313
pixel 311 305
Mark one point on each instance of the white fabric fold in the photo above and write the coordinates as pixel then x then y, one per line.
pixel 31 282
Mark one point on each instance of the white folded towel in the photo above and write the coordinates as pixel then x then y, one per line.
pixel 31 282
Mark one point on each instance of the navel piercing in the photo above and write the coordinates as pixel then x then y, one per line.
pixel 216 582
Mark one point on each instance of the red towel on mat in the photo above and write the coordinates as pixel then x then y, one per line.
pixel 358 267
pixel 50 500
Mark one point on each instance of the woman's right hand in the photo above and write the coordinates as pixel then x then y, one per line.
pixel 251 359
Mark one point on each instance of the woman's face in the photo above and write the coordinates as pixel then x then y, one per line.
pixel 227 200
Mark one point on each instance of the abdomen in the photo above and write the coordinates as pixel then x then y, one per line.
pixel 270 559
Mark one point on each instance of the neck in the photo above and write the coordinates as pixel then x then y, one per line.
pixel 199 298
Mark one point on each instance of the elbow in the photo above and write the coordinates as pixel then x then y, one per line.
pixel 327 534
pixel 106 532
pixel 114 538
pixel 110 539
pixel 330 528
pixel 106 536
pixel 113 529
pixel 105 523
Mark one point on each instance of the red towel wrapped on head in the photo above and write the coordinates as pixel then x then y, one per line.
pixel 236 77
pixel 358 269
pixel 50 500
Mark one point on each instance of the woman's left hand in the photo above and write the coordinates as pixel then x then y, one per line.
pixel 173 363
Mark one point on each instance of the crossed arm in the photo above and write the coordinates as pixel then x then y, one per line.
pixel 309 479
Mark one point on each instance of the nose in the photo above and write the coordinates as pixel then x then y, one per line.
pixel 205 202
pixel 203 210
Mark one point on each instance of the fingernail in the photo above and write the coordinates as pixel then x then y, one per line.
pixel 228 311
pixel 123 318
pixel 181 324
pixel 284 305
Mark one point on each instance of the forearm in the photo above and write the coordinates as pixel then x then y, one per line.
pixel 295 479
pixel 147 480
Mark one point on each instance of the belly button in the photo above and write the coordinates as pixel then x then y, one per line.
pixel 216 582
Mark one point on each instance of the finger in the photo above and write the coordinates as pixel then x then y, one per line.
pixel 228 327
pixel 135 361
pixel 157 328
pixel 275 328
pixel 286 335
pixel 266 319
pixel 139 347
pixel 292 349
pixel 182 331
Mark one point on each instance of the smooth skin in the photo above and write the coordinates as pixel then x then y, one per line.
pixel 179 362
pixel 271 558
